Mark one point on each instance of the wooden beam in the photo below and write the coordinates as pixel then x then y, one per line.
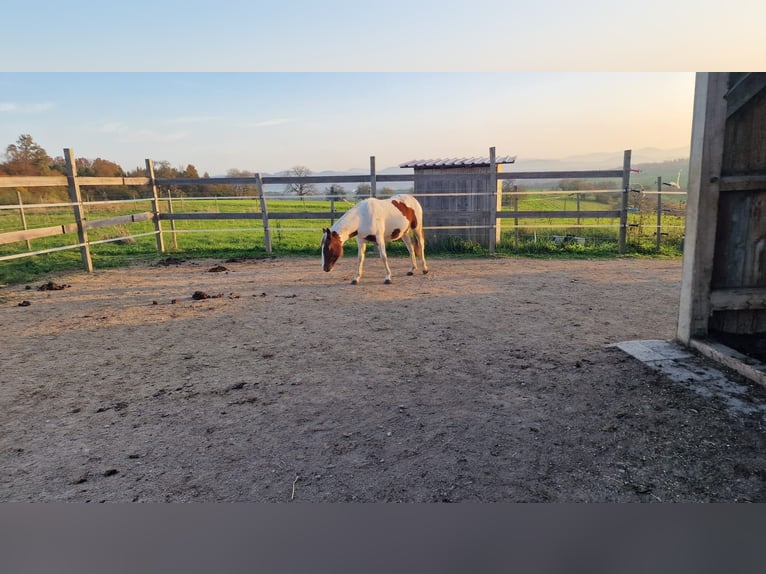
pixel 33 181
pixel 737 299
pixel 119 220
pixel 731 358
pixel 708 130
pixel 79 211
pixel 745 88
pixel 13 236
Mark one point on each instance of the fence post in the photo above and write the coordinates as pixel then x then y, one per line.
pixel 493 197
pixel 155 206
pixel 79 210
pixel 659 212
pixel 264 212
pixel 373 179
pixel 515 219
pixel 624 209
pixel 172 221
pixel 23 218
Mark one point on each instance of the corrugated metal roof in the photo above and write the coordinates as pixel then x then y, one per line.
pixel 457 161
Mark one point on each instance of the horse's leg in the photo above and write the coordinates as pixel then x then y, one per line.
pixel 420 248
pixel 413 262
pixel 382 250
pixel 362 247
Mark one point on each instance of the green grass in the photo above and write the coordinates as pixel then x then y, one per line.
pixel 245 238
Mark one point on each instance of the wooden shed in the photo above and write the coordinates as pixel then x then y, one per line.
pixel 722 309
pixel 457 195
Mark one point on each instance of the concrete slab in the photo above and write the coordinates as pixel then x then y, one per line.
pixel 697 373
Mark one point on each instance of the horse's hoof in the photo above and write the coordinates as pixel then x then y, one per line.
pixel 425 271
pixel 387 281
pixel 354 281
pixel 410 273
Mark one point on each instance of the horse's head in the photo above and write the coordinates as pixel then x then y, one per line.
pixel 332 249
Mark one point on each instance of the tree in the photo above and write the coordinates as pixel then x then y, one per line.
pixel 363 190
pixel 300 189
pixel 239 188
pixel 26 157
pixel 335 190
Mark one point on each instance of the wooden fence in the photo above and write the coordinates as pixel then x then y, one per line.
pixel 81 225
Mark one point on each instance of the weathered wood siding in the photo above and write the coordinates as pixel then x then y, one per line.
pixel 739 262
pixel 472 206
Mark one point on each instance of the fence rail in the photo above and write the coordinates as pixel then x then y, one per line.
pixel 82 225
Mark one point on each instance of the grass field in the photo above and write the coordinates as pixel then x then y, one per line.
pixel 245 237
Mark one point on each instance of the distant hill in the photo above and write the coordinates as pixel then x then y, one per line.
pixel 652 162
pixel 599 160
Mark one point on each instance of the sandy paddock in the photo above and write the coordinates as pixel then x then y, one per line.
pixel 486 380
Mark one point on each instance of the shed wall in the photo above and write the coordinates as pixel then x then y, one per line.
pixel 469 210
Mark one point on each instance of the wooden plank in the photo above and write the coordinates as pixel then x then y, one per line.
pixel 560 214
pixel 750 182
pixel 75 197
pixel 107 181
pixel 590 174
pixel 25 235
pixel 33 181
pixel 155 206
pixel 212 216
pixel 264 213
pixel 731 358
pixel 623 238
pixel 737 299
pixel 744 89
pixel 705 162
pixel 119 220
pixel 361 178
pixel 731 241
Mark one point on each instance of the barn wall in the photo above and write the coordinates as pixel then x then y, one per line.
pixel 740 255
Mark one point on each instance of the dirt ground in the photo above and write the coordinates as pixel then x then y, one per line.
pixel 486 380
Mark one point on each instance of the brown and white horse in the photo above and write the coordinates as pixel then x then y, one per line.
pixel 377 221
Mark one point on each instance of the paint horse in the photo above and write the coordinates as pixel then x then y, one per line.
pixel 377 221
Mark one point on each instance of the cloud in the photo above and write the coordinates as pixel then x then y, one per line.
pixel 269 123
pixel 33 108
pixel 193 119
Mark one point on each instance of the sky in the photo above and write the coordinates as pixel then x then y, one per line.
pixel 264 86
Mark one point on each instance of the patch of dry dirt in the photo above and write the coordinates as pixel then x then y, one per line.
pixel 486 380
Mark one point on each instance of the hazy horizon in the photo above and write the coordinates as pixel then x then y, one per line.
pixel 270 122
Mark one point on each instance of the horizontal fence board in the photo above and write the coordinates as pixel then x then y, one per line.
pixel 560 174
pixel 119 220
pixel 33 181
pixel 208 216
pixel 251 215
pixel 87 180
pixel 557 214
pixel 13 236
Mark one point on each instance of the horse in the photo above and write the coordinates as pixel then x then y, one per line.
pixel 377 221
